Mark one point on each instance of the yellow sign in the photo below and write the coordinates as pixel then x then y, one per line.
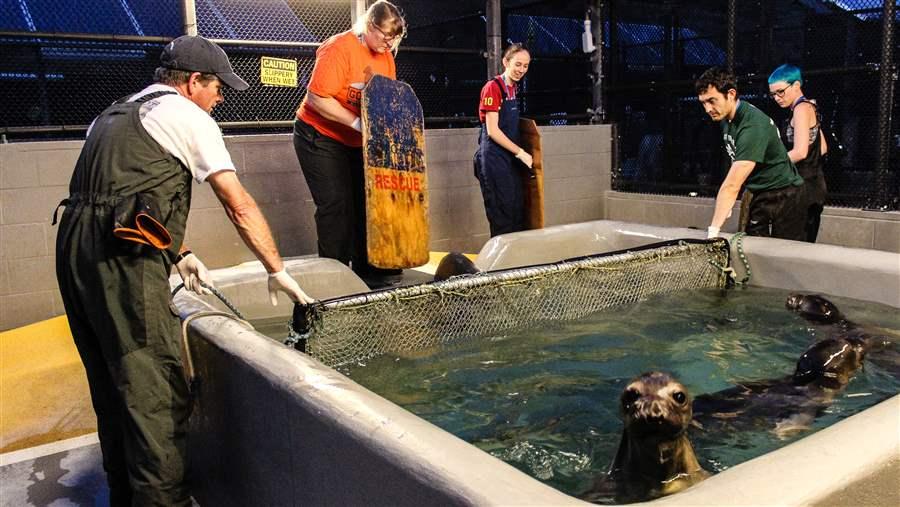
pixel 278 71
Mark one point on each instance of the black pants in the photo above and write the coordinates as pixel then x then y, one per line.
pixel 779 213
pixel 334 173
pixel 117 305
pixel 815 191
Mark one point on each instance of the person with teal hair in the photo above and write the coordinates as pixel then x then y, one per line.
pixel 804 140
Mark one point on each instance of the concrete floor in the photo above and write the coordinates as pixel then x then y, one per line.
pixel 44 476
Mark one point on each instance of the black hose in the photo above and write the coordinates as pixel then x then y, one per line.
pixel 219 295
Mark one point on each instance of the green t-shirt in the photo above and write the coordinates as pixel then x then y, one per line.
pixel 753 136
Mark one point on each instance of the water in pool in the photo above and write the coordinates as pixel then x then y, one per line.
pixel 546 400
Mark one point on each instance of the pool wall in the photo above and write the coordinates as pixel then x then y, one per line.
pixel 275 427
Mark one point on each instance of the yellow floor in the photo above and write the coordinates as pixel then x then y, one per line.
pixel 44 394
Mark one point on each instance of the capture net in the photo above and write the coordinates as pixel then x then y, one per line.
pixel 352 329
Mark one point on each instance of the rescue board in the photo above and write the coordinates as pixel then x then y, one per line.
pixel 533 183
pixel 393 129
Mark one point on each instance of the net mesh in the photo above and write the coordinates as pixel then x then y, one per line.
pixel 350 330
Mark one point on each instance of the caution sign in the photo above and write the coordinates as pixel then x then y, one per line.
pixel 278 71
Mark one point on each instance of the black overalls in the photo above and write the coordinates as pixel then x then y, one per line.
pixel 811 168
pixel 117 303
pixel 498 173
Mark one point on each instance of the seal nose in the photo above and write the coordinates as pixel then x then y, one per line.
pixel 656 409
pixel 651 408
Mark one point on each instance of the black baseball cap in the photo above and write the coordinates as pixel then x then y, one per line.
pixel 193 53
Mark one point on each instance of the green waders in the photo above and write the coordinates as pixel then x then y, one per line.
pixel 117 298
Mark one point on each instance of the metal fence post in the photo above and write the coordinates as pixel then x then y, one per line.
pixel 189 14
pixel 357 10
pixel 888 74
pixel 494 35
pixel 730 35
pixel 599 110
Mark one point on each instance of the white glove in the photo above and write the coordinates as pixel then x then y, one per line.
pixel 193 272
pixel 281 281
pixel 357 124
pixel 712 232
pixel 525 158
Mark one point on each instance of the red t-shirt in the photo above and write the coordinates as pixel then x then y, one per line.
pixel 340 73
pixel 492 98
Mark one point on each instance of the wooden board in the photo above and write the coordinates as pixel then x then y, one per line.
pixel 530 141
pixel 396 183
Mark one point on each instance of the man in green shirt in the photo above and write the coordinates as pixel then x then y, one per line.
pixel 758 158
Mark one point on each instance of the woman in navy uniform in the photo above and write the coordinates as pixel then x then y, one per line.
pixel 499 158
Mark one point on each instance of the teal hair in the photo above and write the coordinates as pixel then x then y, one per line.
pixel 787 73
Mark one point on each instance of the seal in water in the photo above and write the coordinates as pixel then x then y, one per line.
pixel 655 457
pixel 454 264
pixel 788 404
pixel 817 309
pixel 879 343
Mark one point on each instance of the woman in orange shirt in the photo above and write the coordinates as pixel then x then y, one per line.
pixel 328 137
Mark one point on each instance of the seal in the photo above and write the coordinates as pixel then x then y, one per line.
pixel 655 457
pixel 882 345
pixel 816 309
pixel 830 363
pixel 454 264
pixel 785 405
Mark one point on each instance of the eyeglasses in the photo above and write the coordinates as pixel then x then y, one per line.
pixel 780 93
pixel 384 36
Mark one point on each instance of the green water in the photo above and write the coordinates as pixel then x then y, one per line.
pixel 546 400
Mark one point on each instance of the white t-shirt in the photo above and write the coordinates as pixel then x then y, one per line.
pixel 184 130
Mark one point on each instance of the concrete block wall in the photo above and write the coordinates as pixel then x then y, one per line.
pixel 34 177
pixel 576 178
pixel 840 226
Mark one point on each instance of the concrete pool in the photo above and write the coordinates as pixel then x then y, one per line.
pixel 275 427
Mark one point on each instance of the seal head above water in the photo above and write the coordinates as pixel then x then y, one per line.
pixel 655 457
pixel 831 362
pixel 789 404
pixel 815 308
pixel 454 264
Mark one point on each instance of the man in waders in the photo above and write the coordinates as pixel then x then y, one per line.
pixel 120 233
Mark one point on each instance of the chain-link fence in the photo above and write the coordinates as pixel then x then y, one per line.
pixel 283 29
pixel 48 81
pixel 668 145
pixel 443 58
pixel 50 53
pixel 60 66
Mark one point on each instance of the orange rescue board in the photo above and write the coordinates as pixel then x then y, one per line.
pixel 396 183
pixel 530 141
